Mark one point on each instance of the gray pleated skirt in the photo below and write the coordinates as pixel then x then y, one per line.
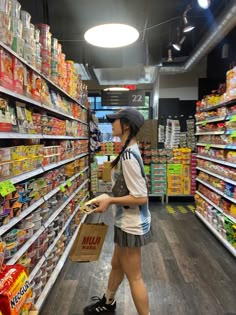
pixel 124 239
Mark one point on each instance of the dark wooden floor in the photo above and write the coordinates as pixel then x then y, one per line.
pixel 187 271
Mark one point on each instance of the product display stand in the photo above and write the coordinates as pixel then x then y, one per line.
pixel 79 180
pixel 216 165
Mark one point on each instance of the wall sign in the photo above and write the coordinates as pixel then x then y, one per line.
pixel 123 98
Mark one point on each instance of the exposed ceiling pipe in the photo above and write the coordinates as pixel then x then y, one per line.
pixel 225 24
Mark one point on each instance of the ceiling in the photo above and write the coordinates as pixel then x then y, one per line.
pixel 156 20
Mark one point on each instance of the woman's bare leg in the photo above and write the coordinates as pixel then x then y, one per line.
pixel 130 260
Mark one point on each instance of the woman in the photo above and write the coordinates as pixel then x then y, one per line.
pixel 132 220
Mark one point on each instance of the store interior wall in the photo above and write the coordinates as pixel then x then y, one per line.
pixel 184 85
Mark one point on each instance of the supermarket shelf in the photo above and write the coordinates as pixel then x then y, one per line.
pixel 41 170
pixel 216 190
pixel 38 72
pixel 217 161
pixel 210 133
pixel 12 222
pixel 158 195
pixel 15 135
pixel 219 146
pixel 216 207
pixel 217 234
pixel 6 227
pixel 27 175
pixel 24 248
pixel 54 165
pixel 203 122
pixel 229 103
pixel 56 271
pixel 49 250
pixel 216 175
pixel 58 211
pixel 36 268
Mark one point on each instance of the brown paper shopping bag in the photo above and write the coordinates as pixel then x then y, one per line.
pixel 89 241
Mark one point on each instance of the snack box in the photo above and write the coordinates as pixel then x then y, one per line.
pixel 6 69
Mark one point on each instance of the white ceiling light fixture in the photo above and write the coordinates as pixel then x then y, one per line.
pixel 187 26
pixel 204 4
pixel 116 88
pixel 112 35
pixel 177 46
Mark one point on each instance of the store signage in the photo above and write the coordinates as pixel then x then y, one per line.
pixel 137 98
pixel 123 98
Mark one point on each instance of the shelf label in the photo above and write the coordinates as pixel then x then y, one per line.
pixel 62 188
pixel 6 187
pixel 232 118
pixel 233 133
pixel 204 123
pixel 68 183
pixel 207 147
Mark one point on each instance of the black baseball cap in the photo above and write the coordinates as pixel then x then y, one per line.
pixel 131 114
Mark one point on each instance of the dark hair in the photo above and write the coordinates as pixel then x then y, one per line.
pixel 133 132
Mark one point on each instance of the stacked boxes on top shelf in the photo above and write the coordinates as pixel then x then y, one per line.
pixel 172 133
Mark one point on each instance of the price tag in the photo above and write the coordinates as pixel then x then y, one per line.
pixel 232 118
pixel 204 123
pixel 68 183
pixel 207 147
pixel 62 188
pixel 6 187
pixel 233 133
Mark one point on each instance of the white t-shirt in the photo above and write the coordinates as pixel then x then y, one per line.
pixel 133 219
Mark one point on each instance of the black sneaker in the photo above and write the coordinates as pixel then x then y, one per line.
pixel 100 307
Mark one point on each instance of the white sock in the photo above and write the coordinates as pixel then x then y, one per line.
pixel 110 296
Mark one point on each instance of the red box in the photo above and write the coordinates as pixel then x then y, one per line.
pixel 18 75
pixel 6 69
pixel 36 85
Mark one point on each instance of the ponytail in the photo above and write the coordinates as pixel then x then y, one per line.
pixel 133 132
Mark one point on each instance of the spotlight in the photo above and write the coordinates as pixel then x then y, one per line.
pixel 204 3
pixel 187 26
pixel 177 46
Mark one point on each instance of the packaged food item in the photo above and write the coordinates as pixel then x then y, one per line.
pixel 14 289
pixel 6 69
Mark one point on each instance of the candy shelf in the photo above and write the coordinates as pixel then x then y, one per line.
pixel 230 183
pixel 216 190
pixel 217 234
pixel 233 182
pixel 207 158
pixel 216 207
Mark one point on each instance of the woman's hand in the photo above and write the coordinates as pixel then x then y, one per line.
pixel 102 204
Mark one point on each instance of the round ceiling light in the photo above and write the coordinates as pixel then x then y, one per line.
pixel 204 4
pixel 111 35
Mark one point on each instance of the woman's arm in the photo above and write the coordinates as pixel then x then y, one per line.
pixel 127 200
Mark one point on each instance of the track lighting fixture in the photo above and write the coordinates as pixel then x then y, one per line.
pixel 204 4
pixel 177 46
pixel 187 26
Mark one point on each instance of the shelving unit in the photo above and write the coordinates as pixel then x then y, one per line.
pixel 211 202
pixel 79 180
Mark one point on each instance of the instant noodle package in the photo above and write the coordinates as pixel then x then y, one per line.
pixel 14 290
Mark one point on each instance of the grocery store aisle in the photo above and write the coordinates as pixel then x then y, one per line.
pixel 187 271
